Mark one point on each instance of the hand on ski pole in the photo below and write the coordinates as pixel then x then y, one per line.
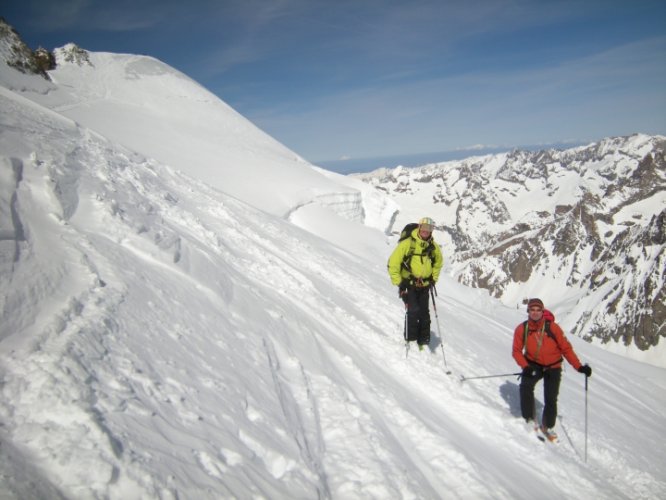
pixel 586 369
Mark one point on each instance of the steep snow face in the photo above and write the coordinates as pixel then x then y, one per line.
pixel 98 243
pixel 585 229
pixel 154 110
pixel 377 210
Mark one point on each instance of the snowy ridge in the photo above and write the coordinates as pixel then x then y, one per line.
pixel 161 338
pixel 147 106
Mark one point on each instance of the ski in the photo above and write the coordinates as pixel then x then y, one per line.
pixel 534 427
pixel 544 437
pixel 539 435
pixel 549 437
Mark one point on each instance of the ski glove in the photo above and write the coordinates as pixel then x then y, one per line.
pixel 402 293
pixel 529 371
pixel 586 369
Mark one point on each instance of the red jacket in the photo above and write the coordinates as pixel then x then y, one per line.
pixel 541 348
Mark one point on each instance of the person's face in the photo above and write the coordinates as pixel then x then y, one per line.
pixel 425 230
pixel 535 313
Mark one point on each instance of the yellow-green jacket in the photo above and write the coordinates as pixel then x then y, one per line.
pixel 421 265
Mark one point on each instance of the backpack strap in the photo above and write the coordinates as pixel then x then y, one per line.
pixel 427 252
pixel 525 332
pixel 407 260
pixel 546 329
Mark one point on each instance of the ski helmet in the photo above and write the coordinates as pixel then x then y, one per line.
pixel 427 223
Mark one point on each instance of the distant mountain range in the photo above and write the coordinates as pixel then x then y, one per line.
pixel 584 228
pixel 363 165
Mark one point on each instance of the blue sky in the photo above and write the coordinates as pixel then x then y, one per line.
pixel 368 78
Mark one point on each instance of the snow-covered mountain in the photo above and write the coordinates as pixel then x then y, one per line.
pixel 585 228
pixel 147 106
pixel 162 338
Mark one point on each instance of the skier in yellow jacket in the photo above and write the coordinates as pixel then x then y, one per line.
pixel 414 267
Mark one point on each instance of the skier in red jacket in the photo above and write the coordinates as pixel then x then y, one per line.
pixel 539 345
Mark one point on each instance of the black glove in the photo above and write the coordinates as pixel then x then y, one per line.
pixel 586 369
pixel 529 371
pixel 402 293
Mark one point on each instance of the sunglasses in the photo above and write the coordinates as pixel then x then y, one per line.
pixel 535 309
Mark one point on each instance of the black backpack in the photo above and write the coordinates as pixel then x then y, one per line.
pixel 546 328
pixel 407 233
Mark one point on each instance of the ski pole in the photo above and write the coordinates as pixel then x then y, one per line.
pixel 405 334
pixel 439 330
pixel 463 378
pixel 586 377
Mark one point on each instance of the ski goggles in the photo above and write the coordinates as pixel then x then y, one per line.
pixel 427 227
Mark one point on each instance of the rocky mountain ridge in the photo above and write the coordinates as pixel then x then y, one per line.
pixel 21 57
pixel 585 228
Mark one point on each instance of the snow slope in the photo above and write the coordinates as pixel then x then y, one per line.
pixel 147 106
pixel 163 339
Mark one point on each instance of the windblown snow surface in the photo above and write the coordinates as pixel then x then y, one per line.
pixel 161 338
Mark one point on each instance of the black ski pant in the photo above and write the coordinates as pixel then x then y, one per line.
pixel 418 315
pixel 551 389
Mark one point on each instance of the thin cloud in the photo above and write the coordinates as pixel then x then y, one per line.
pixel 535 105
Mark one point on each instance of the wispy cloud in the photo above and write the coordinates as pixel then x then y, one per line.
pixel 506 106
